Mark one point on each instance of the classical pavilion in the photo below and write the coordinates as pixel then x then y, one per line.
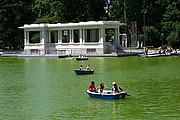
pixel 71 38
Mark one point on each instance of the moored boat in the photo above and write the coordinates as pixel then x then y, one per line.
pixel 83 72
pixel 107 94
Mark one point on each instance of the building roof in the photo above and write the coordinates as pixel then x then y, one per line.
pixel 88 24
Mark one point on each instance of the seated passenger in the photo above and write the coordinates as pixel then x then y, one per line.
pixel 88 67
pixel 80 55
pixel 116 88
pixel 102 87
pixel 80 68
pixel 91 87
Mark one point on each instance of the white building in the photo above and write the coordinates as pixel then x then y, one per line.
pixel 70 38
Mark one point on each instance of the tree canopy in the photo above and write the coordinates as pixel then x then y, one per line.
pixel 162 17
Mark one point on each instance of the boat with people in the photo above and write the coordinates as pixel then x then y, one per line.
pixel 161 53
pixel 82 57
pixel 148 55
pixel 166 54
pixel 106 94
pixel 83 72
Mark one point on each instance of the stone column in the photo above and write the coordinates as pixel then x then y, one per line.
pixel 27 40
pixel 49 41
pixel 83 36
pixel 80 36
pixel 41 37
pixel 25 37
pixel 59 36
pixel 70 36
pixel 101 35
pixel 72 39
pixel 116 36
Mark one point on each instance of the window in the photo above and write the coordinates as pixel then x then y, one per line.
pixel 54 36
pixel 34 37
pixel 91 51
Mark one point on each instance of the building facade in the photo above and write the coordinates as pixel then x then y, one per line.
pixel 70 38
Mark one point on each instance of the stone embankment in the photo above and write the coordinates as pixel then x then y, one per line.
pixel 119 53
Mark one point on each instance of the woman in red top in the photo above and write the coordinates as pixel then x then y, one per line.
pixel 91 87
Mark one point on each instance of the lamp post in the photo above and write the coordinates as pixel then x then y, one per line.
pixel 144 13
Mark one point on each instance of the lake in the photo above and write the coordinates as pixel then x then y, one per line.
pixel 48 89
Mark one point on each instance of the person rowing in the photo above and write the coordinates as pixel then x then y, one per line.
pixel 116 88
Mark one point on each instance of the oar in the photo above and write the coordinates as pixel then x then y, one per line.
pixel 128 94
pixel 122 90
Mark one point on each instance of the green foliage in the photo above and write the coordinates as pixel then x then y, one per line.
pixel 35 38
pixel 174 37
pixel 116 10
pixel 109 35
pixel 162 16
pixel 13 13
pixel 171 23
pixel 46 11
pixel 153 36
pixel 141 37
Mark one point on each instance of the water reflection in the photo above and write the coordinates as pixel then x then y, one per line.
pixel 112 108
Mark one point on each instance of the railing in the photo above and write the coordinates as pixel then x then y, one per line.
pixel 79 44
pixel 34 44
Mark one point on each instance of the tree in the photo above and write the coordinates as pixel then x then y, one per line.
pixel 162 16
pixel 171 23
pixel 153 37
pixel 45 11
pixel 13 13
pixel 116 9
pixel 53 11
pixel 174 37
pixel 82 10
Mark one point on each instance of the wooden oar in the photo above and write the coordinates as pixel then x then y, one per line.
pixel 128 94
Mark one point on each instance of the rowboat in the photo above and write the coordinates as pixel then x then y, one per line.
pixel 83 72
pixel 148 55
pixel 165 54
pixel 107 94
pixel 81 58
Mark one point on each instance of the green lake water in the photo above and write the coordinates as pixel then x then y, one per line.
pixel 48 89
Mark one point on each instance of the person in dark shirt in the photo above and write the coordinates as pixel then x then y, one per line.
pixel 102 87
pixel 116 88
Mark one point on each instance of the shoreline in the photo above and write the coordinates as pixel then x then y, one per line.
pixel 121 53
